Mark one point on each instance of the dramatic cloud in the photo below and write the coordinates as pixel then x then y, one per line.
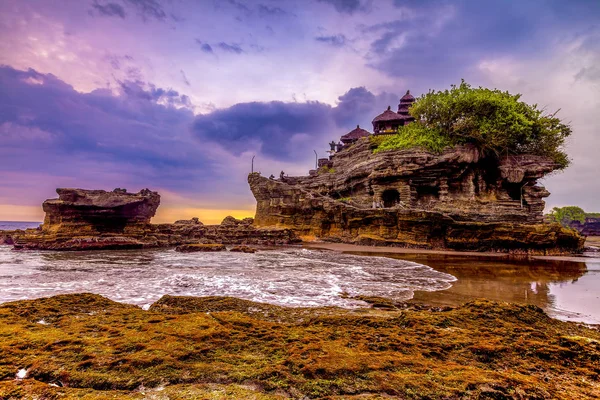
pixel 441 41
pixel 48 120
pixel 109 9
pixel 336 40
pixel 290 131
pixel 146 136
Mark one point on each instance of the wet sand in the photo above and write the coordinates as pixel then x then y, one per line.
pixel 593 241
pixel 343 247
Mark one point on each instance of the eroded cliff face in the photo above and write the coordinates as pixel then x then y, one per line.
pixel 99 220
pixel 456 200
pixel 591 226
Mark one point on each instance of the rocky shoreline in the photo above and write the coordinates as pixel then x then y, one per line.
pixel 215 347
pixel 458 200
pixel 99 220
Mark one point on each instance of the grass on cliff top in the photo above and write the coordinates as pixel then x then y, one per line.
pixel 412 136
pixel 229 348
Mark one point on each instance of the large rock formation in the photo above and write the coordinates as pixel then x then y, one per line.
pixel 456 200
pixel 99 220
pixel 93 219
pixel 99 210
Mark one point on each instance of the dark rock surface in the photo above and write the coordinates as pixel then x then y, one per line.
pixel 413 198
pixel 198 247
pixel 591 226
pixel 6 237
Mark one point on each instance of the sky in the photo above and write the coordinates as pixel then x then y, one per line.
pixel 179 95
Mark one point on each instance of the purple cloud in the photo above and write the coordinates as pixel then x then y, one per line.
pixel 290 131
pixel 335 40
pixel 205 47
pixel 230 47
pixel 109 9
pixel 149 9
pixel 47 119
pixel 441 42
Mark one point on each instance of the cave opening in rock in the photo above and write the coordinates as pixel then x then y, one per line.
pixel 427 193
pixel 390 198
pixel 514 190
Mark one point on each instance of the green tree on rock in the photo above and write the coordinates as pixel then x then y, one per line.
pixel 496 122
pixel 566 215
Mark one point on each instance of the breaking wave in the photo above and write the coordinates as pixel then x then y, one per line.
pixel 288 277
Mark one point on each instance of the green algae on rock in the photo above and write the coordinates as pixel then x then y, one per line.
pixel 215 347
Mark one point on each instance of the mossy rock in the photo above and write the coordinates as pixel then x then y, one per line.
pixel 220 347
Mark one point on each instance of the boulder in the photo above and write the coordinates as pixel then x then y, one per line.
pixel 99 220
pixel 99 210
pixel 193 221
pixel 230 221
pixel 243 249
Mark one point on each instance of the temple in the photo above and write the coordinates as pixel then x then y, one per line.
pixel 388 121
pixel 354 135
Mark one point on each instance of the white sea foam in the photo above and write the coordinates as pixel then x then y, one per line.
pixel 293 277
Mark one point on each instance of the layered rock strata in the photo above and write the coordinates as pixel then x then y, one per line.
pixel 414 198
pixel 99 220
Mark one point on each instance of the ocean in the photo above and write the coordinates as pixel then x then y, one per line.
pixel 12 225
pixel 302 277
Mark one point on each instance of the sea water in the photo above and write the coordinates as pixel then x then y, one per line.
pixel 14 225
pixel 287 276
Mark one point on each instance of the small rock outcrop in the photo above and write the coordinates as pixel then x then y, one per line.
pixel 243 249
pixel 193 221
pixel 200 247
pixel 413 198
